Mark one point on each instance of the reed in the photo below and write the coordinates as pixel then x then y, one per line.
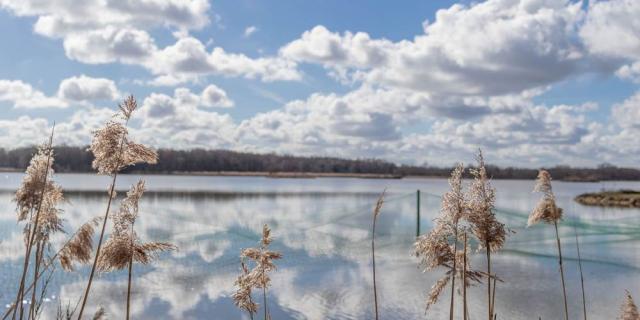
pixel 376 212
pixel 263 260
pixel 439 247
pixel 67 255
pixel 123 247
pixel 113 151
pixel 489 232
pixel 36 200
pixel 245 283
pixel 629 310
pixel 547 211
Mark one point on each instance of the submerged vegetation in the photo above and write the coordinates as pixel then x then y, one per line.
pixel 466 224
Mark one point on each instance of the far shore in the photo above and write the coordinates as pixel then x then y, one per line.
pixel 620 198
pixel 308 175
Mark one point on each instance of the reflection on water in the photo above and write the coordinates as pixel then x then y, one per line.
pixel 322 227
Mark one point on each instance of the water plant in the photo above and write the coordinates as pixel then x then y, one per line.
pixel 629 310
pixel 113 150
pixel 439 247
pixel 547 211
pixel 263 260
pixel 489 232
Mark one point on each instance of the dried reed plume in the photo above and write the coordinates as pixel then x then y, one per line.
pixel 123 247
pixel 485 226
pixel 439 247
pixel 113 151
pixel 376 213
pixel 79 246
pixel 628 310
pixel 242 297
pixel 36 200
pixel 547 211
pixel 263 259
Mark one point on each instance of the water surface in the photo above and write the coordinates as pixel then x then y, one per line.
pixel 322 226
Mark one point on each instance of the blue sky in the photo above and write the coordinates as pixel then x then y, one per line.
pixel 532 82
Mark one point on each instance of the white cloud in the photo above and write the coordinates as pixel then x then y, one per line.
pixel 186 60
pixel 320 45
pixel 23 95
pixel 611 28
pixel 97 32
pixel 178 120
pixel 57 18
pixel 489 48
pixel 627 113
pixel 110 45
pixel 249 31
pixel 189 57
pixel 212 96
pixel 83 88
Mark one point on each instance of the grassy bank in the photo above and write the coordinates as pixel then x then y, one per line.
pixel 620 198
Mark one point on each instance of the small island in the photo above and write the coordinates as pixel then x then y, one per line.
pixel 620 198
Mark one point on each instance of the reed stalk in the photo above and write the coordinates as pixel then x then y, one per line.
pixel 33 231
pixel 50 262
pixel 39 255
pixel 584 300
pixel 95 260
pixel 453 273
pixel 489 308
pixel 464 278
pixel 130 273
pixel 564 290
pixel 112 152
pixel 264 300
pixel 376 213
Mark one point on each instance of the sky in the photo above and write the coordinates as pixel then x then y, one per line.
pixel 532 83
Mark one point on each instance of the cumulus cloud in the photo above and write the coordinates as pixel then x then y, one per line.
pixel 82 88
pixel 179 120
pixel 212 96
pixel 110 44
pixel 489 48
pixel 23 95
pixel 189 58
pixel 611 28
pixel 97 32
pixel 58 18
pixel 627 113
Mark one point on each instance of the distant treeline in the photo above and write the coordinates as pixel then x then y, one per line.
pixel 78 159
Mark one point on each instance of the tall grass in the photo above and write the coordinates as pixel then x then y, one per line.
pixel 258 278
pixel 489 232
pixel 376 213
pixel 113 151
pixel 547 211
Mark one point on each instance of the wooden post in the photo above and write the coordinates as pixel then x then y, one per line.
pixel 418 213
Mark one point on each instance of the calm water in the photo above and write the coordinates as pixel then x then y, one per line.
pixel 322 228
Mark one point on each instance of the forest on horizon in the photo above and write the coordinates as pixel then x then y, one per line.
pixel 78 159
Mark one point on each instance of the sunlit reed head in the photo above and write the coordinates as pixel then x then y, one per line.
pixel 123 242
pixel 112 147
pixel 482 197
pixel 546 210
pixel 628 310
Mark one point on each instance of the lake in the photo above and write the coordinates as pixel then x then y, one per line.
pixel 322 227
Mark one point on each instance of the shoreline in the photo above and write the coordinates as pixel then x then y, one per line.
pixel 308 175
